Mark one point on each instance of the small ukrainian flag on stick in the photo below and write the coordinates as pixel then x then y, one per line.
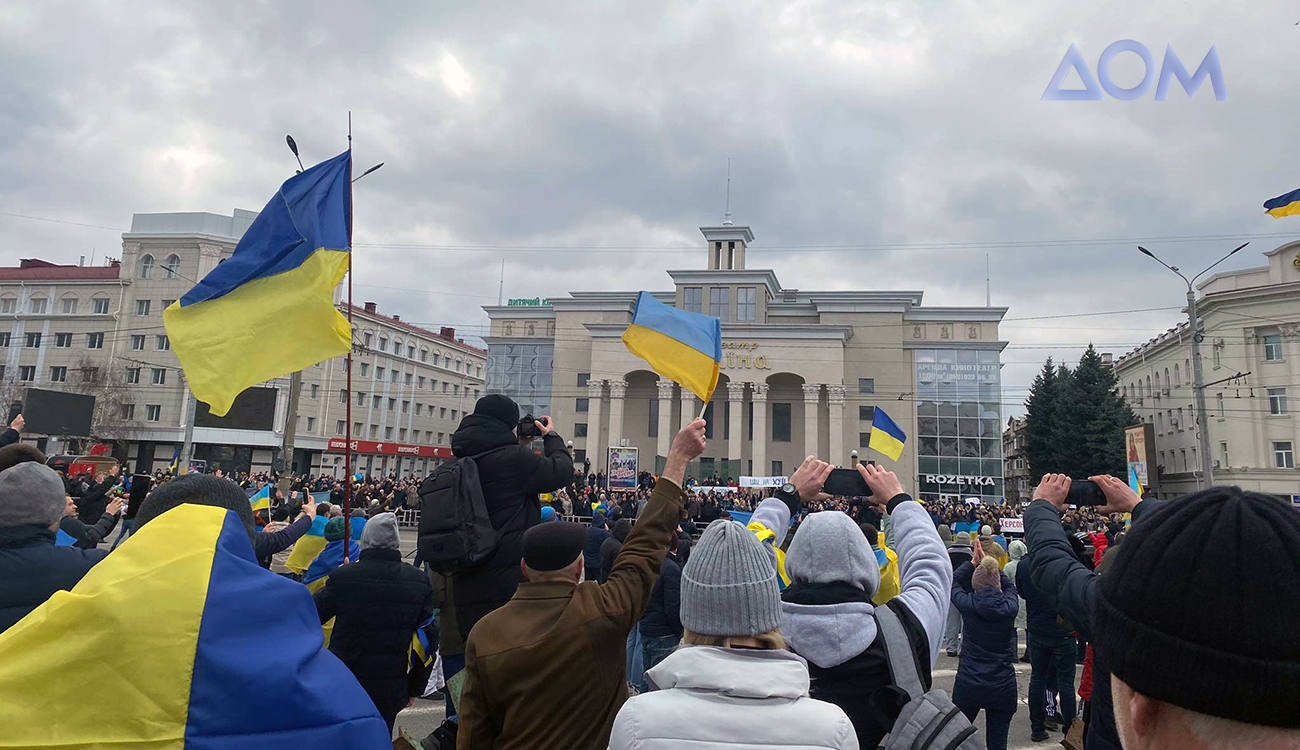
pixel 886 437
pixel 261 500
pixel 682 346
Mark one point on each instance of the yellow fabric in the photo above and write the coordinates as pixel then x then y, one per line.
pixel 304 552
pixel 890 581
pixel 109 663
pixel 694 370
pixel 768 537
pixel 328 628
pixel 885 443
pixel 1290 209
pixel 261 330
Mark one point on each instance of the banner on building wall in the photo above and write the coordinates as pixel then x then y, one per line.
pixel 1139 446
pixel 388 449
pixel 763 481
pixel 622 468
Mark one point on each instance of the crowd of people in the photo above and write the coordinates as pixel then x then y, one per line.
pixel 654 620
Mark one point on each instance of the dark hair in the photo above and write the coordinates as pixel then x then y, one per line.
pixel 871 533
pixel 19 453
pixel 196 489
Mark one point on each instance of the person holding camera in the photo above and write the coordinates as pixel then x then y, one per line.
pixel 512 477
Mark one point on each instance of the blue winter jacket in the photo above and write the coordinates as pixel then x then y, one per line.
pixel 986 674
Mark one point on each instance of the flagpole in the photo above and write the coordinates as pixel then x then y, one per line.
pixel 347 448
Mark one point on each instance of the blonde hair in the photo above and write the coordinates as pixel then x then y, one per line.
pixel 772 640
pixel 986 573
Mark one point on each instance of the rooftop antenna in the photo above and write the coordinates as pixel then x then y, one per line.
pixel 502 288
pixel 726 218
pixel 988 284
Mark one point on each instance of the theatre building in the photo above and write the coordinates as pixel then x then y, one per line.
pixel 802 373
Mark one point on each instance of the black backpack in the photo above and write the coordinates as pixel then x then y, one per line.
pixel 456 533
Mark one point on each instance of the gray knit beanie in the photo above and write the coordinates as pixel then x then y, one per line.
pixel 729 585
pixel 31 494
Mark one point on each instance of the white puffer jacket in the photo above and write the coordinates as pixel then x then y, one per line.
pixel 712 698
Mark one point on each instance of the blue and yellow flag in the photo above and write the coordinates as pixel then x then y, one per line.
pixel 261 500
pixel 308 546
pixel 886 437
pixel 269 309
pixel 1287 204
pixel 679 345
pixel 191 642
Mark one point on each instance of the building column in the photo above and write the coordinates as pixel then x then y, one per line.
pixel 1291 341
pixel 665 443
pixel 595 392
pixel 758 394
pixel 617 390
pixel 812 393
pixel 689 411
pixel 736 397
pixel 835 399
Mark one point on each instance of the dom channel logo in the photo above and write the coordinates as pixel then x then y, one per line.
pixel 1171 69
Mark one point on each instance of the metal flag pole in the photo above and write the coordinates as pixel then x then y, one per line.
pixel 347 448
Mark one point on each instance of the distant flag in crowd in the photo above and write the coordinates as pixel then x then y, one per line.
pixel 320 497
pixel 269 309
pixel 679 345
pixel 211 640
pixel 1287 204
pixel 176 460
pixel 308 546
pixel 261 500
pixel 886 437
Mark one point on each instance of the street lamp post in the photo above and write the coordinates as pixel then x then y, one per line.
pixel 1198 379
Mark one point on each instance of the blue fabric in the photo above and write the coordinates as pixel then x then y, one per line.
pixel 329 558
pixel 653 651
pixel 702 333
pixel 63 539
pixel 318 526
pixel 881 421
pixel 260 645
pixel 311 211
pixel 1285 199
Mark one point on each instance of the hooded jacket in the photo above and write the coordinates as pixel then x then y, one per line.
pixel 711 698
pixel 596 536
pixel 827 610
pixel 986 674
pixel 32 569
pixel 610 548
pixel 1016 553
pixel 512 476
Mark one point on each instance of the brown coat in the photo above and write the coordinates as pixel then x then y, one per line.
pixel 547 670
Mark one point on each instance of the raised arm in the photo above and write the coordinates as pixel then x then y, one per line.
pixel 555 468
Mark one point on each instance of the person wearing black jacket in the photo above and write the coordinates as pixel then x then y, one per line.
pixel 11 435
pixel 268 543
pixel 610 548
pixel 1051 650
pixel 93 500
pixel 378 603
pixel 596 536
pixel 1070 588
pixel 512 476
pixel 661 624
pixel 89 536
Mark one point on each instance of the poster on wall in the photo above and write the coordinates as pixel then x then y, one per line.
pixel 1139 443
pixel 622 468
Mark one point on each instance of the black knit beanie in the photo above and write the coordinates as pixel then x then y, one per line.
pixel 1201 605
pixel 499 407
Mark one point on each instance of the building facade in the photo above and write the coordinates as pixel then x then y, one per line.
pixel 802 373
pixel 1250 358
pixel 1017 462
pixel 99 330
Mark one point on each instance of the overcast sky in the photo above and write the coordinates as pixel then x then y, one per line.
pixel 913 131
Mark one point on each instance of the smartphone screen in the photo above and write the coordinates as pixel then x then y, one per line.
pixel 1085 492
pixel 846 482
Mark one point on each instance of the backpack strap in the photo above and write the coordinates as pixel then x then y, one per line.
pixel 898 652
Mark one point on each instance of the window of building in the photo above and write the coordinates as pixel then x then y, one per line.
pixel 419 408
pixel 63 340
pixel 445 386
pixel 315 390
pixel 583 404
pixel 401 434
pixel 128 412
pixel 95 340
pixel 1277 401
pixel 1283 456
pixel 4 340
pixel 1219 402
pixel 1177 377
pixel 168 303
pixel 356 428
pixel 867 385
pixel 1223 455
pixel 718 299
pixel 580 429
pixel 409 378
pixel 424 355
pixel 162 343
pixel 394 376
pixel 99 306
pixel 442 412
pixel 583 379
pixel 419 383
pixel 158 376
pixel 1183 455
pixel 1160 423
pixel 406 407
pixel 866 413
pixel 8 305
pixel 37 305
pixel 367 338
pixel 388 433
pixel 374 431
pixel 365 369
pixel 153 412
pixel 693 299
pixel 58 374
pixel 440 437
pixel 340 427
pixel 455 390
pixel 1181 424
pixel 311 424
pixel 864 439
pixel 1273 348
pixel 383 343
pixel 746 309
pixel 172 267
pixel 455 415
pixel 132 375
pixel 68 305
pixel 137 342
pixel 27 373
pixel 379 373
pixel 778 469
pixel 361 398
pixel 780 423
pixel 392 404
pixel 142 307
pixel 1217 358
pixel 33 341
pixel 410 351
pixel 146 266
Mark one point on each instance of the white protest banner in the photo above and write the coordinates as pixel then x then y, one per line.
pixel 763 481
pixel 1012 525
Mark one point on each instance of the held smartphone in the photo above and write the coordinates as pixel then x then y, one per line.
pixel 1085 492
pixel 846 482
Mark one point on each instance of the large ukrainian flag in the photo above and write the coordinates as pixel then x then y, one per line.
pixel 269 309
pixel 1287 204
pixel 886 437
pixel 308 546
pixel 180 641
pixel 679 345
